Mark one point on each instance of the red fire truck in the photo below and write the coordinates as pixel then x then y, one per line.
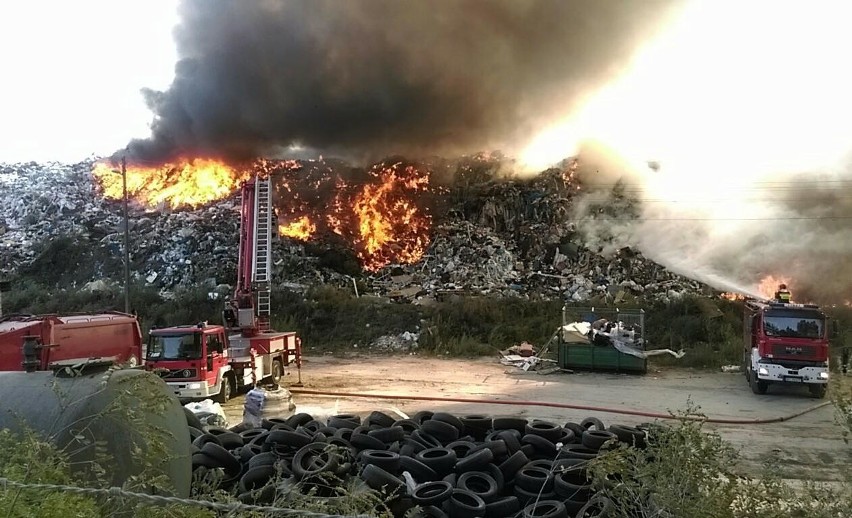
pixel 785 343
pixel 45 342
pixel 212 361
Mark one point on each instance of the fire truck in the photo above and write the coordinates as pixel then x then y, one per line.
pixel 785 343
pixel 215 361
pixel 46 342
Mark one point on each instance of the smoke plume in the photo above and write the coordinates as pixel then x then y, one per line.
pixel 369 78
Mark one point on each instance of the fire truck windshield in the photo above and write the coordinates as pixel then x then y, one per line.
pixel 185 346
pixel 790 326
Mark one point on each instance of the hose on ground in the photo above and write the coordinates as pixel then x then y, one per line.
pixel 622 411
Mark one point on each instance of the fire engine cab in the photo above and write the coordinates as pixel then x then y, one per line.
pixel 216 361
pixel 785 343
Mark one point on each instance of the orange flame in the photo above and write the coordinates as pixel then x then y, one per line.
pixel 189 183
pixel 733 296
pixel 391 228
pixel 301 229
pixel 769 285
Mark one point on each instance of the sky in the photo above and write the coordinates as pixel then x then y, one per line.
pixel 72 73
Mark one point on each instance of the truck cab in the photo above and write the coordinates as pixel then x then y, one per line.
pixel 785 343
pixel 193 360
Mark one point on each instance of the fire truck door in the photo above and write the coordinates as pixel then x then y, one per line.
pixel 216 358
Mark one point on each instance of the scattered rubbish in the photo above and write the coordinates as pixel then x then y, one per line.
pixel 731 368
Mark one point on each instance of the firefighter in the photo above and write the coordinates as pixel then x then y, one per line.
pixel 783 294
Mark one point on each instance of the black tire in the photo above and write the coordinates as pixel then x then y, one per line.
pixel 270 423
pixel 262 459
pixel 589 422
pixel 426 439
pixel 194 433
pixel 818 390
pixel 757 386
pixel 430 511
pixel 510 423
pixel 497 475
pixel 231 464
pixel 407 425
pixel 388 435
pixel 512 438
pixel 505 506
pixel 297 420
pixel 462 448
pixel 287 438
pixel 475 461
pixel 498 448
pixel 252 433
pixel 565 485
pixel 534 479
pixel 546 509
pixel 577 451
pixel 550 431
pixel 230 440
pixel 379 418
pixel 479 483
pixel 420 471
pixel 628 434
pixel 525 497
pixel 441 430
pixel 477 425
pixel 441 460
pixel 449 418
pixel 513 464
pixel 256 477
pixel 203 439
pixel 277 372
pixel 191 419
pixel 362 441
pixel 386 460
pixel 381 480
pixel 315 458
pixel 227 389
pixel 421 416
pixel 576 428
pixel 432 493
pixel 346 421
pixel 596 507
pixel 596 439
pixel 467 504
pixel 542 445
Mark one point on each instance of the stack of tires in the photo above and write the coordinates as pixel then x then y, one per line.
pixel 439 463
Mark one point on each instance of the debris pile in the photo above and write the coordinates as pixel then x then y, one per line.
pixel 491 235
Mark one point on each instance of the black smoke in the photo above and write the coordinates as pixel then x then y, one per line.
pixel 368 78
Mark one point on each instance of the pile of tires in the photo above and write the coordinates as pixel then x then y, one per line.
pixel 439 463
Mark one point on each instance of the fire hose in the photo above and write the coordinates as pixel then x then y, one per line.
pixel 621 411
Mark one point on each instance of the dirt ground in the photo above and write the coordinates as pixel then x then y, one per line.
pixel 808 447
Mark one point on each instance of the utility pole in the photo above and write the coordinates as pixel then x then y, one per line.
pixel 126 238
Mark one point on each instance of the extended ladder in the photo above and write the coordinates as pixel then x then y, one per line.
pixel 262 266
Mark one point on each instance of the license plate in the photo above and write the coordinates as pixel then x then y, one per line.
pixel 792 379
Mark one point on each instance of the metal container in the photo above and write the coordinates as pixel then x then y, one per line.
pixel 84 413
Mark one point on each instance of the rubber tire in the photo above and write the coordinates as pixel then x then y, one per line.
pixel 388 435
pixel 449 418
pixel 466 504
pixel 513 464
pixel 231 464
pixel 256 477
pixel 277 372
pixel 533 479
pixel 297 420
pixel 567 489
pixel 526 497
pixel 381 480
pixel 379 418
pixel 546 509
pixel 599 506
pixel 407 425
pixel 331 460
pixel 550 431
pixel 386 460
pixel 295 440
pixel 577 451
pixel 818 390
pixel 542 445
pixel 462 448
pixel 588 422
pixel 758 387
pixel 479 483
pixel 477 425
pixel 226 392
pixel 432 493
pixel 510 423
pixel 362 441
pixel 475 461
pixel 421 416
pixel 191 419
pixel 596 439
pixel 441 430
pixel 441 460
pixel 576 428
pixel 420 471
pixel 505 506
pixel 346 421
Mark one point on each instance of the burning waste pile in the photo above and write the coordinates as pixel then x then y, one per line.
pixel 410 231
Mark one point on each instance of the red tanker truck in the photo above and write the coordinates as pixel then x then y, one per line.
pixel 45 342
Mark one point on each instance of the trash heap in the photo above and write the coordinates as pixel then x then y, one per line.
pixel 491 234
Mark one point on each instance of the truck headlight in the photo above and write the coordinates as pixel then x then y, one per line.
pixel 823 375
pixel 762 371
pixel 194 386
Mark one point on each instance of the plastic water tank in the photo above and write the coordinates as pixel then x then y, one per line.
pixel 77 412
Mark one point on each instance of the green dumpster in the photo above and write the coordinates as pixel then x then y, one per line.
pixel 579 356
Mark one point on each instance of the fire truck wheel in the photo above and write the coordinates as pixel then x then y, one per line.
pixel 277 371
pixel 226 392
pixel 757 386
pixel 818 391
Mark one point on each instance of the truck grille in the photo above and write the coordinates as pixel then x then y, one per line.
pixel 178 373
pixel 796 351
